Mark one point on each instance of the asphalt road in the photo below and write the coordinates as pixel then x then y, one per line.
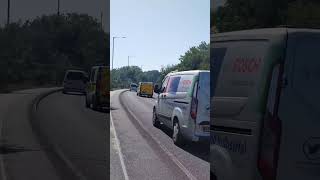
pixel 64 140
pixel 78 133
pixel 146 152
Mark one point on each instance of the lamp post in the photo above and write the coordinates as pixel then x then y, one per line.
pixel 58 7
pixel 8 13
pixel 113 38
pixel 129 60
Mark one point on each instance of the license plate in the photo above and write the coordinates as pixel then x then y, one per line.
pixel 206 128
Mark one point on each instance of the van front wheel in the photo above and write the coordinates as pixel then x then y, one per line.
pixel 176 135
pixel 155 120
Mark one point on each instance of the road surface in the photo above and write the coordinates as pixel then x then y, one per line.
pixel 64 141
pixel 146 152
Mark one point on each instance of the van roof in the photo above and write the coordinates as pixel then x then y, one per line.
pixel 74 70
pixel 99 66
pixel 263 33
pixel 187 72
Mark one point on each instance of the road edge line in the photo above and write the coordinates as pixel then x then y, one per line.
pixel 2 166
pixel 123 166
pixel 34 106
pixel 171 156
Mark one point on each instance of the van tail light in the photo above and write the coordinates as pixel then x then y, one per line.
pixel 269 148
pixel 194 103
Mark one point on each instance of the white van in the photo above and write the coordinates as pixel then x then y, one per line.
pixel 75 81
pixel 265 119
pixel 183 105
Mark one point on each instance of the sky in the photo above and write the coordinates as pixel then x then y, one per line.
pixel 157 31
pixel 26 9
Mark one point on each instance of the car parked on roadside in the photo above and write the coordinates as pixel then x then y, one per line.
pixel 265 116
pixel 75 81
pixel 98 88
pixel 133 87
pixel 145 89
pixel 183 105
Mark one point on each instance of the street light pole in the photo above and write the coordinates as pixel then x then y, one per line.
pixel 129 60
pixel 8 15
pixel 58 7
pixel 113 50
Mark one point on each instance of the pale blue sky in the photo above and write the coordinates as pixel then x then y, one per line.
pixel 157 31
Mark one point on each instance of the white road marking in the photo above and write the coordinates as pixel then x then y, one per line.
pixel 2 166
pixel 171 156
pixel 123 166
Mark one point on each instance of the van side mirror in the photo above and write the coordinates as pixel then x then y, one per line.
pixel 156 89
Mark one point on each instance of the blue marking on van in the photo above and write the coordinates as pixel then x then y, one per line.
pixel 229 144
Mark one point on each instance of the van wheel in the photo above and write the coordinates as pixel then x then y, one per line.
pixel 155 120
pixel 176 135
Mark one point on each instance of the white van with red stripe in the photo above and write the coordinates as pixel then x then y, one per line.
pixel 265 94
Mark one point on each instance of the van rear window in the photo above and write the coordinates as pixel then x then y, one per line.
pixel 75 76
pixel 216 59
pixel 179 83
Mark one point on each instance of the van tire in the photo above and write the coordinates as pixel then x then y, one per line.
pixel 176 134
pixel 155 120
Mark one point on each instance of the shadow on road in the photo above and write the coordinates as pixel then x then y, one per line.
pixel 201 150
pixel 102 110
pixel 73 93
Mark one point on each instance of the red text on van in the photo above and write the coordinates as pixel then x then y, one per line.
pixel 246 65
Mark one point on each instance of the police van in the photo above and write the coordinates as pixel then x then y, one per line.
pixel 265 118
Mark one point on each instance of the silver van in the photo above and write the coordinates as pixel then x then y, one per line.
pixel 265 104
pixel 75 81
pixel 183 105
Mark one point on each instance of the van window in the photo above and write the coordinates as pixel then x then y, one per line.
pixel 179 83
pixel 216 59
pixel 75 76
pixel 164 84
pixel 204 84
pixel 306 72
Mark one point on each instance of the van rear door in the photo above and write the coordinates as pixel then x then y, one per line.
pixel 236 116
pixel 299 109
pixel 203 111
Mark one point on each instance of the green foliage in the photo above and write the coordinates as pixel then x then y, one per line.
pixel 40 50
pixel 194 59
pixel 250 14
pixel 124 76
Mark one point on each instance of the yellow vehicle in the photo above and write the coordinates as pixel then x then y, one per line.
pixel 98 88
pixel 145 89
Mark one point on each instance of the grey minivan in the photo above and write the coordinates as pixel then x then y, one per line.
pixel 183 105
